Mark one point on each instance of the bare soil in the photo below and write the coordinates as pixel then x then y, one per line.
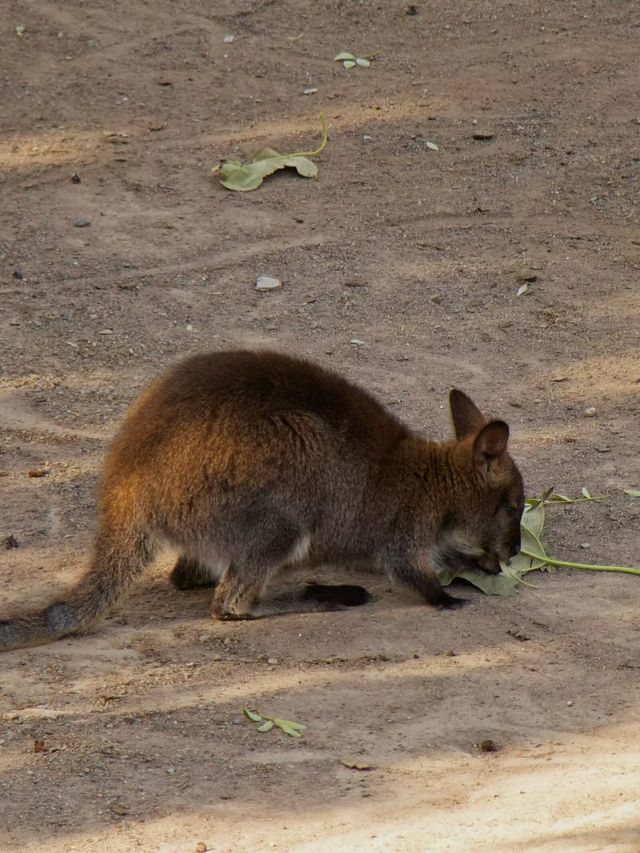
pixel 121 252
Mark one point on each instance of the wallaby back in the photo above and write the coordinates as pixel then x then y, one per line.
pixel 251 461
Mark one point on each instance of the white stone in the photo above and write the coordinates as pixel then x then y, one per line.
pixel 267 282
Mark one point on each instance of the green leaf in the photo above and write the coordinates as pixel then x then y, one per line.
pixel 362 62
pixel 344 54
pixel 522 289
pixel 266 726
pixel 303 166
pixel 502 584
pixel 252 715
pixel 289 727
pixel 432 146
pixel 585 492
pixel 633 493
pixel 20 29
pixel 533 518
pixel 243 177
pixel 349 63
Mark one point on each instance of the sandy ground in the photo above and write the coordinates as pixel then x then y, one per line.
pixel 120 253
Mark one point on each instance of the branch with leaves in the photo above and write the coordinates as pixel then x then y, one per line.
pixel 533 555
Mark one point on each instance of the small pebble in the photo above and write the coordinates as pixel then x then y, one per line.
pixel 585 545
pixel 569 703
pixel 273 661
pixel 487 745
pixel 356 342
pixel 590 412
pixel 201 847
pixel 267 282
pixel 229 39
pixel 483 135
pixel 82 223
pixel 18 274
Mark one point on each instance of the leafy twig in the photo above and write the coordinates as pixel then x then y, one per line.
pixel 266 723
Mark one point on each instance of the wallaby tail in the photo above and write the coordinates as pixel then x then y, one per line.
pixel 114 567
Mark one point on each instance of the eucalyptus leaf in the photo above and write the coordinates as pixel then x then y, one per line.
pixel 585 492
pixel 432 146
pixel 289 727
pixel 349 63
pixel 243 177
pixel 344 54
pixel 265 727
pixel 533 518
pixel 362 62
pixel 252 715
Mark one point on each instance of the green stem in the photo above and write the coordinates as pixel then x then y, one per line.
pixel 585 566
pixel 325 137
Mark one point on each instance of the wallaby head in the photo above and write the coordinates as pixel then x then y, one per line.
pixel 485 519
pixel 248 462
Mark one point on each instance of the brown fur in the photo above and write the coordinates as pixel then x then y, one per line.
pixel 250 461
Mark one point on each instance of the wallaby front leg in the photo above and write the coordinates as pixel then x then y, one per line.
pixel 401 570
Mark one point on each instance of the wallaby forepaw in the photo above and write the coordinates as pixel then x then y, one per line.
pixel 450 602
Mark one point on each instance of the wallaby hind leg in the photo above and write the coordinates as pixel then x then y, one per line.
pixel 237 594
pixel 191 574
pixel 270 547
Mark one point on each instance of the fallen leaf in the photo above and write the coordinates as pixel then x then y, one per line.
pixel 252 715
pixel 39 472
pixel 354 763
pixel 243 177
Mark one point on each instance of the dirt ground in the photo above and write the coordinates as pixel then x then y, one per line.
pixel 120 253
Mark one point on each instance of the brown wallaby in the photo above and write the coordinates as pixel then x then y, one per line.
pixel 251 461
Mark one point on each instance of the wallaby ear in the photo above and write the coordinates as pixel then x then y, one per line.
pixel 467 417
pixel 490 444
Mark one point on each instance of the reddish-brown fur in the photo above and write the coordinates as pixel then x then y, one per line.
pixel 249 461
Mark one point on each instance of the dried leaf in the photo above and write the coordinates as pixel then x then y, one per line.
pixel 243 177
pixel 354 763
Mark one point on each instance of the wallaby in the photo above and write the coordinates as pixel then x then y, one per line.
pixel 249 462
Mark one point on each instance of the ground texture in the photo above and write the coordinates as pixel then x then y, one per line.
pixel 120 252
